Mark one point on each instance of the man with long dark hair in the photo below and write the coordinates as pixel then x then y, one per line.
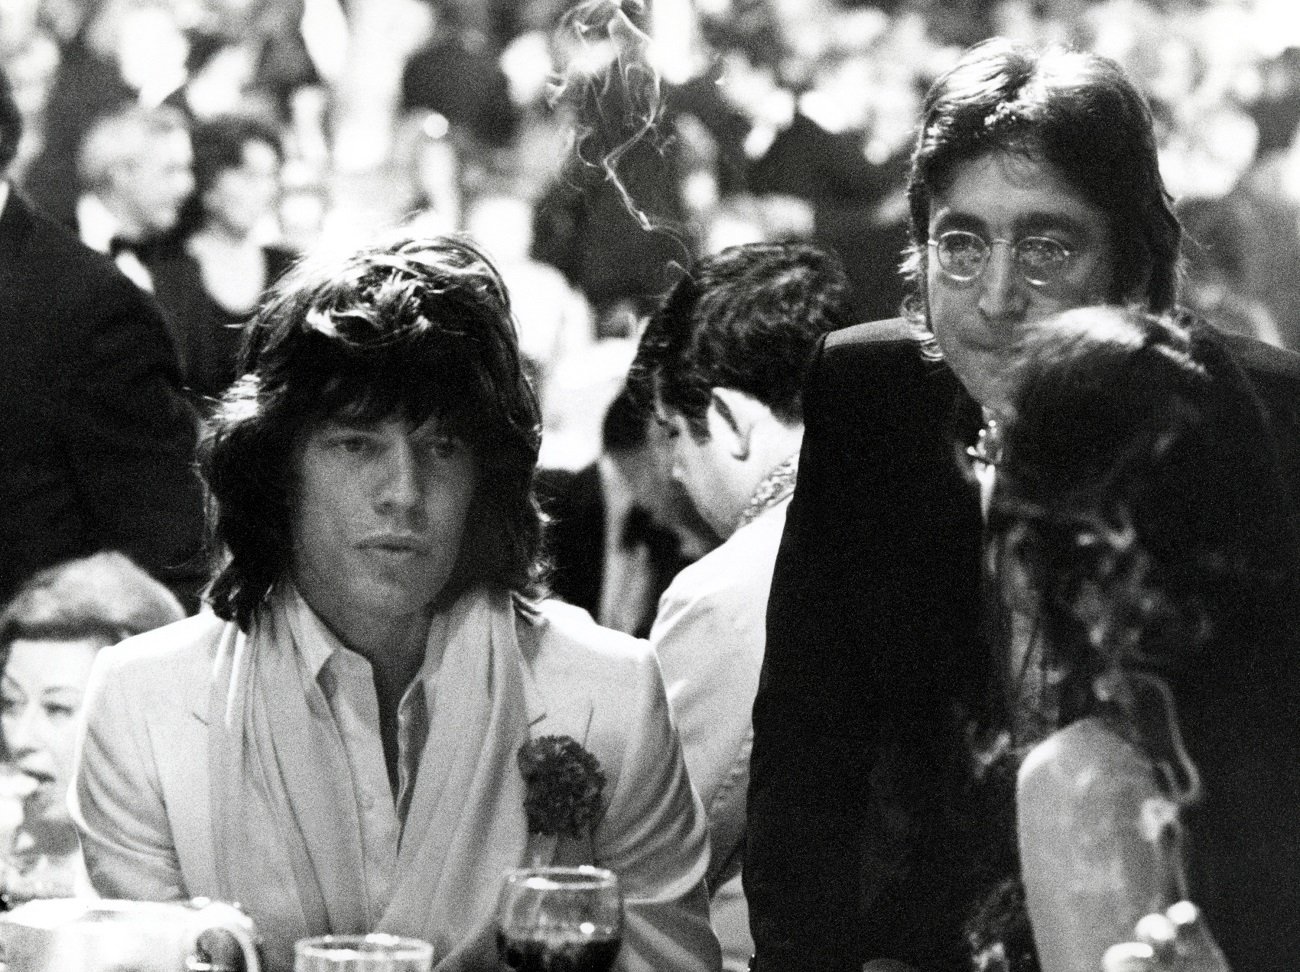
pixel 1034 188
pixel 384 714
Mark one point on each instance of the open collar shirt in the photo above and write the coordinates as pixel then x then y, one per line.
pixel 347 681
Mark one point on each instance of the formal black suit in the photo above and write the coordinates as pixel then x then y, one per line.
pixel 575 504
pixel 575 540
pixel 206 335
pixel 861 840
pixel 96 443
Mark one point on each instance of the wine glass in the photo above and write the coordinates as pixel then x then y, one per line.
pixel 559 919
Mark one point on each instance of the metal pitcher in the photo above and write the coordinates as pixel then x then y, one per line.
pixel 77 935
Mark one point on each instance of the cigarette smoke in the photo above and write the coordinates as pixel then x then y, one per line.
pixel 614 88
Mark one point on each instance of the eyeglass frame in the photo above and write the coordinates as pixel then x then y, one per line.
pixel 1067 252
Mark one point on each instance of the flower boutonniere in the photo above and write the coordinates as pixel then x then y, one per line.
pixel 564 784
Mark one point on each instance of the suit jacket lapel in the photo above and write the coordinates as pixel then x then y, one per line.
pixel 15 228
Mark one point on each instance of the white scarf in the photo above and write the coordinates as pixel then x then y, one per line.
pixel 286 825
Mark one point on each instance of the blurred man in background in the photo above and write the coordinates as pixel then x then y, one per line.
pixel 135 168
pixel 97 441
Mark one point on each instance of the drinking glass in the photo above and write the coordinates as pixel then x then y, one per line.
pixel 559 919
pixel 362 953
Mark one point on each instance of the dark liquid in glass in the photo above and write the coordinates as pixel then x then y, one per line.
pixel 557 952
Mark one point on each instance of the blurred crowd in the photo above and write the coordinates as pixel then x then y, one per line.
pixel 596 149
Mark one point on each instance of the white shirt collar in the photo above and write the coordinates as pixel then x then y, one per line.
pixel 4 195
pixel 96 223
pixel 322 644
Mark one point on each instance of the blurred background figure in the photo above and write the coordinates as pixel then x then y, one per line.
pixel 136 172
pixel 272 58
pixel 98 444
pixel 613 216
pixel 456 75
pixel 30 56
pixel 203 57
pixel 456 122
pixel 100 69
pixel 1244 261
pixel 430 159
pixel 811 124
pixel 553 317
pixel 209 280
pixel 49 634
pixel 620 528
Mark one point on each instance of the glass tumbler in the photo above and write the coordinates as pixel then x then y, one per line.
pixel 362 953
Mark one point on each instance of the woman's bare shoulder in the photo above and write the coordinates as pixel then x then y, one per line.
pixel 1079 758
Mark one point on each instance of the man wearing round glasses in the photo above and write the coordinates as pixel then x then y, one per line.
pixel 1010 242
pixel 963 256
pixel 1034 189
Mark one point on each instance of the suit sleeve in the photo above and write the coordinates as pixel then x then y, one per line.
pixel 116 796
pixel 654 836
pixel 131 440
pixel 710 646
pixel 871 611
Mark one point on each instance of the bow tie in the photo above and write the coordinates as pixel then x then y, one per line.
pixel 146 248
pixel 120 244
pixel 638 528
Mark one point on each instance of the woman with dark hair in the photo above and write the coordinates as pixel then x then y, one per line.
pixel 389 714
pixel 1150 571
pixel 210 284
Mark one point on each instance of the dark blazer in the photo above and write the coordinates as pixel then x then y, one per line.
pixel 575 540
pixel 871 634
pixel 575 535
pixel 207 336
pixel 862 842
pixel 96 443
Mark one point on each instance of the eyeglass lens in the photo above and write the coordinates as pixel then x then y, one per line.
pixel 964 255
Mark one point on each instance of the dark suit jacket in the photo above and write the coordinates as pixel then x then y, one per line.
pixel 575 535
pixel 206 335
pixel 96 443
pixel 575 540
pixel 858 846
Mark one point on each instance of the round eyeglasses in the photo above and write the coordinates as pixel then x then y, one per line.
pixel 1040 259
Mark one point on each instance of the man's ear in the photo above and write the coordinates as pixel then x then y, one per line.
pixel 739 414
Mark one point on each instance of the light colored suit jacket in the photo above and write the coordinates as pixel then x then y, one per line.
pixel 709 633
pixel 141 790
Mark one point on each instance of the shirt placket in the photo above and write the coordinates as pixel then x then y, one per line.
pixel 357 713
pixel 412 732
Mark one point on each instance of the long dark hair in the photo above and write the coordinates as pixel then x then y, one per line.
pixel 1142 519
pixel 416 328
pixel 1143 496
